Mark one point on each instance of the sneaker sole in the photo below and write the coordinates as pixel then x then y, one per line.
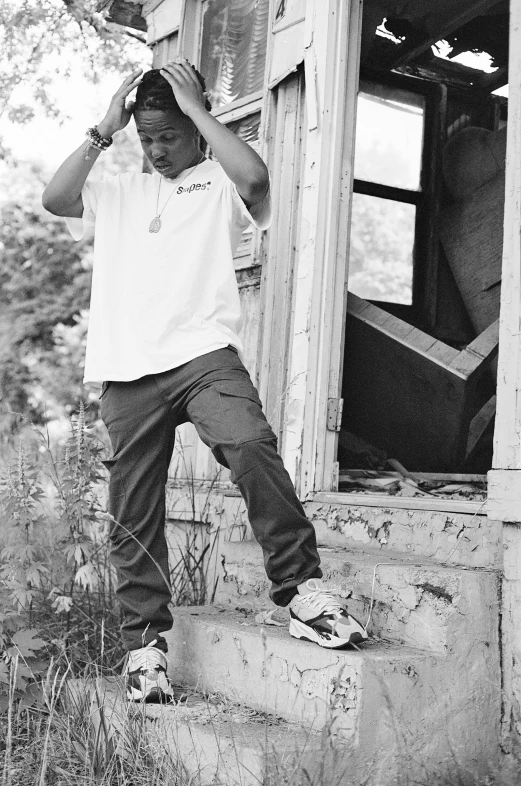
pixel 156 696
pixel 299 630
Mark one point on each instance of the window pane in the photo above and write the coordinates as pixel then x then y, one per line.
pixel 233 48
pixel 247 129
pixel 389 136
pixel 382 243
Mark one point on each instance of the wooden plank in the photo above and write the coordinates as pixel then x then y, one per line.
pixel 486 344
pixel 122 12
pixel 163 19
pixel 504 495
pixel 355 304
pixel 510 627
pixel 288 44
pixel 505 478
pixel 496 79
pixel 443 353
pixel 507 436
pixel 401 331
pixel 377 316
pixel 480 423
pixel 405 503
pixel 441 477
pixel 407 402
pixel 332 58
pixel 422 341
pixel 285 158
pixel 439 19
pixel 450 477
pixel 480 353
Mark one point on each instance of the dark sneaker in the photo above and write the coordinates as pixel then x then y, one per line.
pixel 146 676
pixel 316 615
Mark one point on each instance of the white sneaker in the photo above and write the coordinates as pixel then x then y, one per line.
pixel 146 675
pixel 316 615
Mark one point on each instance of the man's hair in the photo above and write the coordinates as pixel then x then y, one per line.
pixel 155 92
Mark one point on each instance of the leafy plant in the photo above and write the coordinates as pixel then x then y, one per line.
pixel 57 583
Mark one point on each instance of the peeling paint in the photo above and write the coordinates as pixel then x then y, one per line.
pixel 462 538
pixel 312 683
pixel 411 672
pixel 380 533
pixel 343 694
pixel 438 592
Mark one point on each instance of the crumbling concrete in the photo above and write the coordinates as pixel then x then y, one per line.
pixel 442 609
pixel 445 537
pixel 382 704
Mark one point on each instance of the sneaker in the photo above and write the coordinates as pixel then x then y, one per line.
pixel 146 675
pixel 316 615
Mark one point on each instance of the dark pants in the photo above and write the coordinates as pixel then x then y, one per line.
pixel 216 394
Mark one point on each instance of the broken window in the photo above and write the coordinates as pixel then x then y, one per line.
pixel 419 368
pixel 387 191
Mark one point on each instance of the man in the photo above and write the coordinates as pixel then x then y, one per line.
pixel 163 338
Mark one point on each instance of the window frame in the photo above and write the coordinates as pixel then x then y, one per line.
pixel 240 109
pixel 422 310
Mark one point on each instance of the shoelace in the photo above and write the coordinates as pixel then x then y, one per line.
pixel 146 659
pixel 323 601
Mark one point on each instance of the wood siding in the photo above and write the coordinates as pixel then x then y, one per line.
pixel 285 124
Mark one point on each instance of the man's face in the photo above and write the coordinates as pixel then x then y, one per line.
pixel 169 140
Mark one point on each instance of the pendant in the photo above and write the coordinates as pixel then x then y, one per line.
pixel 155 225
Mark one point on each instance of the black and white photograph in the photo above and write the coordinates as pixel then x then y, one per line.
pixel 260 393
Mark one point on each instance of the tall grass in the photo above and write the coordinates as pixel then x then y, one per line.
pixel 82 738
pixel 59 618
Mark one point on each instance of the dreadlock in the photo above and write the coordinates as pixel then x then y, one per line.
pixel 155 92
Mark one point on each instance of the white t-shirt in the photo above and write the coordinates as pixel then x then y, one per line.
pixel 160 300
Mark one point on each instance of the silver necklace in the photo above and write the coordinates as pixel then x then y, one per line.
pixel 155 224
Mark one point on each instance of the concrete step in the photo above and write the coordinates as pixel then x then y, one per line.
pixel 448 531
pixel 209 739
pixel 418 603
pixel 411 703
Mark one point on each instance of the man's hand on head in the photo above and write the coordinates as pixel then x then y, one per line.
pixel 119 112
pixel 185 85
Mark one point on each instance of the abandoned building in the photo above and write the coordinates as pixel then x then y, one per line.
pixel 382 326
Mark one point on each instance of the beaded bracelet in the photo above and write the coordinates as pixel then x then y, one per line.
pixel 95 140
pixel 99 141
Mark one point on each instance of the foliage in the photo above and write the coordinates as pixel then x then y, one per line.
pixel 57 583
pixel 44 289
pixel 35 39
pixel 85 735
pixel 44 295
pixel 382 241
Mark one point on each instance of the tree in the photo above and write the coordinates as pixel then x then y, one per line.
pixel 44 283
pixel 44 295
pixel 44 274
pixel 37 35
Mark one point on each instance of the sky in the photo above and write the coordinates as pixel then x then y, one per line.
pixel 45 140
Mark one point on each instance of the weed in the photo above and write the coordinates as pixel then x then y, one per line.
pixel 57 585
pixel 83 737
